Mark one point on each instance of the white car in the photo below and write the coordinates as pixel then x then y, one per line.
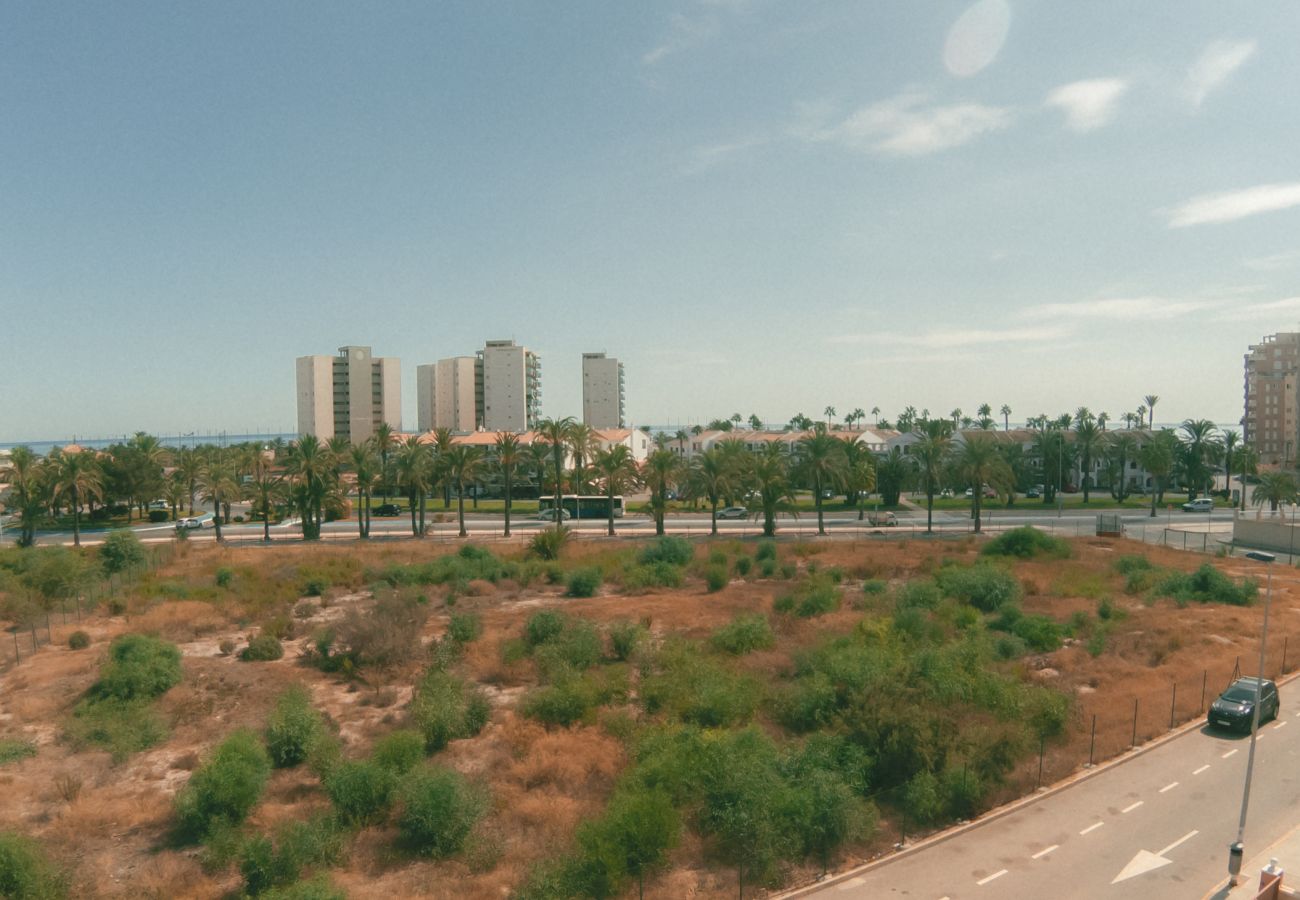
pixel 548 515
pixel 1201 504
pixel 732 512
pixel 188 524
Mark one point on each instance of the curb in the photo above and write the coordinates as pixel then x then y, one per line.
pixel 1007 809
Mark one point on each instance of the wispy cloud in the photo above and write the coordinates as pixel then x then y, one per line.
pixel 1230 206
pixel 950 338
pixel 1273 262
pixel 910 125
pixel 707 156
pixel 1132 309
pixel 1088 104
pixel 688 30
pixel 1269 309
pixel 1215 66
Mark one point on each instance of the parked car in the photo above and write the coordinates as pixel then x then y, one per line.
pixel 1033 493
pixel 733 512
pixel 386 509
pixel 827 494
pixel 1235 707
pixel 1201 504
pixel 189 523
pixel 946 492
pixel 882 520
pixel 549 515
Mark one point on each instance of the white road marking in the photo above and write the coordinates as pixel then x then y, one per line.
pixel 1229 753
pixel 998 874
pixel 1187 837
pixel 1279 724
pixel 1131 807
pixel 1093 827
pixel 1169 787
pixel 1045 851
pixel 1201 769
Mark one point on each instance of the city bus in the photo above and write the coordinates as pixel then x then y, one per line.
pixel 583 506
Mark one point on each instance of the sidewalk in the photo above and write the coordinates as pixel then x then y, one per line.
pixel 1286 850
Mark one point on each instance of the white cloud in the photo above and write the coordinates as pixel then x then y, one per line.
pixel 684 32
pixel 1133 309
pixel 1230 206
pixel 976 38
pixel 949 338
pixel 708 156
pixel 1270 309
pixel 1272 263
pixel 907 125
pixel 1215 66
pixel 1088 104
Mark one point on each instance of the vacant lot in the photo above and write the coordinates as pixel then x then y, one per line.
pixel 488 722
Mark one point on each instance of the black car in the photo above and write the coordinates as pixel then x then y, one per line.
pixel 1236 706
pixel 386 509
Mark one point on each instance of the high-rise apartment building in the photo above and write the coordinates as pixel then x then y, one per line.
pixel 509 387
pixel 348 395
pixel 602 391
pixel 1272 421
pixel 447 392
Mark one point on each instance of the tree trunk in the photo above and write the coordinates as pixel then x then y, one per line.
pixel 929 511
pixel 361 515
pixel 817 486
pixel 414 526
pixel 460 506
pixel 609 494
pixel 76 520
pixel 714 516
pixel 508 486
pixel 977 499
pixel 266 516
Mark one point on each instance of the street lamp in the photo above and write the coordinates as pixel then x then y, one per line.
pixel 1236 850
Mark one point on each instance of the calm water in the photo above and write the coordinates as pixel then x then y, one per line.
pixel 220 438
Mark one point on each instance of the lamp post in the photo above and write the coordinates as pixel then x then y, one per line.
pixel 1237 850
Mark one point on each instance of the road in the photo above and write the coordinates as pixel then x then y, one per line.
pixel 1155 826
pixel 1070 522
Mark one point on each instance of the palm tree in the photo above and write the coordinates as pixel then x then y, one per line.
pixel 462 464
pixel 1151 400
pixel 713 476
pixel 1087 441
pixel 365 465
pixel 385 440
pixel 218 486
pixel 1200 449
pixel 27 477
pixel 264 484
pixel 1121 448
pixel 821 464
pixel 583 444
pixel 617 470
pixel 1102 418
pixel 659 472
pixel 830 414
pixel 1275 489
pixel 1247 461
pixel 769 478
pixel 175 492
pixel 1231 443
pixel 555 432
pixel 509 456
pixel 189 463
pixel 1006 417
pixel 979 463
pixel 755 422
pixel 956 417
pixel 442 442
pixel 1157 457
pixel 931 455
pixel 892 470
pixel 78 477
pixel 875 413
pixel 414 470
pixel 859 473
pixel 856 417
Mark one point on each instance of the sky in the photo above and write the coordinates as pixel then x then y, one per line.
pixel 760 206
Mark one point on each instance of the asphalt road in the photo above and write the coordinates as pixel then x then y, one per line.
pixel 1155 826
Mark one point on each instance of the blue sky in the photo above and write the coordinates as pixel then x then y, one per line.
pixel 760 206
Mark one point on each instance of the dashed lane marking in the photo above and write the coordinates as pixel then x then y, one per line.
pixel 1131 807
pixel 1046 850
pixel 1229 753
pixel 1201 769
pixel 1279 724
pixel 1093 827
pixel 1169 787
pixel 998 874
pixel 1187 837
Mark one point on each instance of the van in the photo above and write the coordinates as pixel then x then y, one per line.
pixel 1201 504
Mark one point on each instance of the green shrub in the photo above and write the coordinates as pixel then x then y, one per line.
pixel 262 648
pixel 361 791
pixel 743 565
pixel 122 551
pixel 922 800
pixel 716 578
pixel 698 690
pixel 767 568
pixel 814 597
pixel 676 551
pixel 121 727
pixel 789 570
pixel 874 586
pixel 319 888
pixel 1208 585
pixel 139 667
pixel 549 543
pixel 12 750
pixel 543 626
pixel 225 576
pixel 920 594
pixel 717 558
pixel 570 696
pixel 1009 646
pixel 745 633
pixel 399 752
pixel 25 873
pixel 464 628
pixel 584 582
pixel 659 574
pixel 623 639
pixel 1041 633
pixel 985 587
pixel 78 640
pixel 292 728
pixel 224 790
pixel 1097 641
pixel 158 515
pixel 1130 563
pixel 444 708
pixel 1026 542
pixel 438 811
pixel 766 550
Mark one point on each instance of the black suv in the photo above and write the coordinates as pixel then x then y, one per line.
pixel 1236 706
pixel 387 509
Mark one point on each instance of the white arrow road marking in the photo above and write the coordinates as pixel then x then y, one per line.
pixel 998 874
pixel 1146 861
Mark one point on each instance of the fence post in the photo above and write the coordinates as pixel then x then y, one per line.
pixel 1134 742
pixel 1092 743
pixel 1173 705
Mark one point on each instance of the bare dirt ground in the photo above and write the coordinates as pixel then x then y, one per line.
pixel 108 824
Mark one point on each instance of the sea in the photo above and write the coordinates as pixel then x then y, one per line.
pixel 189 439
